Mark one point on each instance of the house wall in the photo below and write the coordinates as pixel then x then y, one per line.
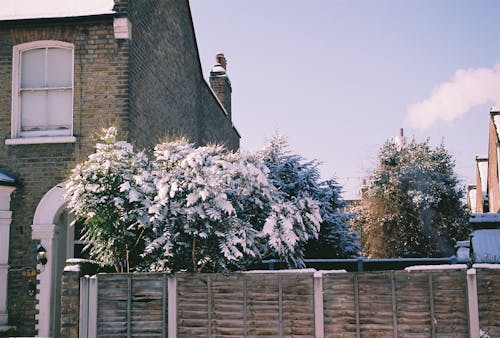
pixel 100 92
pixel 493 187
pixel 169 96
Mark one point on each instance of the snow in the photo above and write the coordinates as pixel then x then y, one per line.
pixel 5 178
pixel 473 200
pixel 486 245
pixel 326 272
pixel 496 121
pixel 483 172
pixel 436 267
pixel 488 217
pixel 279 271
pixel 218 69
pixel 486 266
pixel 36 9
pixel 74 268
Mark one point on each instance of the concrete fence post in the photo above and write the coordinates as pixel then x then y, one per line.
pixel 172 307
pixel 473 304
pixel 319 320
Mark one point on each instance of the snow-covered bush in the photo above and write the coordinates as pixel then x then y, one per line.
pixel 186 208
pixel 107 193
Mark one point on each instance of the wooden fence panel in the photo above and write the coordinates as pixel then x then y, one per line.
pixel 148 310
pixel 450 303
pixel 412 304
pixel 297 305
pixel 245 305
pixel 339 304
pixel 192 305
pixel 112 299
pixel 132 305
pixel 228 305
pixel 375 304
pixel 488 292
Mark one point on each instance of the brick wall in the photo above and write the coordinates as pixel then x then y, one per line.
pixel 493 192
pixel 100 99
pixel 168 94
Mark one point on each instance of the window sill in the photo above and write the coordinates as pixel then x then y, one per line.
pixel 41 140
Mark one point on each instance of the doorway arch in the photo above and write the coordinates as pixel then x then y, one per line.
pixel 48 224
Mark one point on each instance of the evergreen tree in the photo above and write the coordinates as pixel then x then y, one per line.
pixel 413 205
pixel 296 179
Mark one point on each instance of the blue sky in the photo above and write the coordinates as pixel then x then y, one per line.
pixel 339 78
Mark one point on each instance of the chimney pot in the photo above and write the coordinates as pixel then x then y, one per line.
pixel 220 82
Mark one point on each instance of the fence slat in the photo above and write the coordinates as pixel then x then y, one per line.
pixel 209 302
pixel 394 306
pixel 280 304
pixel 245 310
pixel 356 304
pixel 431 303
pixel 129 306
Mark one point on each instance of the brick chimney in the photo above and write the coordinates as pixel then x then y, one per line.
pixel 220 82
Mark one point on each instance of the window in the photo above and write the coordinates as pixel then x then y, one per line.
pixel 42 93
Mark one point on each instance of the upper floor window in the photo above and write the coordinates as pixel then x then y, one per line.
pixel 42 92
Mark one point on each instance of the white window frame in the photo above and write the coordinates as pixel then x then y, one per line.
pixel 51 136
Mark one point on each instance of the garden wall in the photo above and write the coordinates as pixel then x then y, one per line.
pixel 438 301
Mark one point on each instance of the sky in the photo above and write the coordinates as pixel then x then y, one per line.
pixel 338 78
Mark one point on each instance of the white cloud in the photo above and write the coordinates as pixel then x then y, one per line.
pixel 452 99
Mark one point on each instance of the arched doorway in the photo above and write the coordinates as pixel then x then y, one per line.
pixel 52 227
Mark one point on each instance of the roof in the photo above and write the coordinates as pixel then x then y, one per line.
pixel 36 9
pixel 486 245
pixel 6 180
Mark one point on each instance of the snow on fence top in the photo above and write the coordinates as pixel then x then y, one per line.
pixel 485 218
pixel 436 267
pixel 486 266
pixel 6 179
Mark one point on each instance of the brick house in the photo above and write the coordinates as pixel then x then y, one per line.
pixel 485 219
pixel 487 187
pixel 66 72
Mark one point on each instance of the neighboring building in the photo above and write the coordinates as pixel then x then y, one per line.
pixel 488 169
pixel 65 73
pixel 485 239
pixel 485 207
pixel 481 200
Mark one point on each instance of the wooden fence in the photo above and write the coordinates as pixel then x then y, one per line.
pixel 439 301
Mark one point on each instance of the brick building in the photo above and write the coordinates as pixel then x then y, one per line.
pixel 487 188
pixel 64 74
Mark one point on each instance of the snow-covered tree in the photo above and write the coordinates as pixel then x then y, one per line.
pixel 185 208
pixel 296 180
pixel 106 194
pixel 413 205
